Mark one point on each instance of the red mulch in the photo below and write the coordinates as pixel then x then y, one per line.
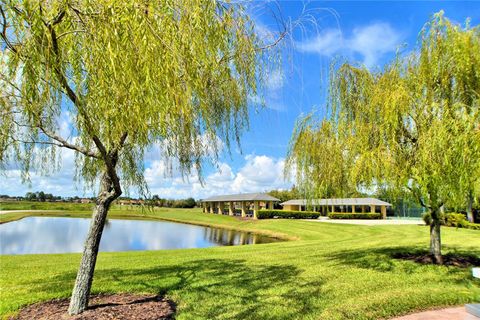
pixel 462 261
pixel 103 307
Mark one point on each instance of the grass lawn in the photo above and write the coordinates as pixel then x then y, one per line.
pixel 35 205
pixel 330 271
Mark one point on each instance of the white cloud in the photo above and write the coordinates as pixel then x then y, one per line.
pixel 259 173
pixel 328 43
pixel 371 42
pixel 275 79
pixel 58 183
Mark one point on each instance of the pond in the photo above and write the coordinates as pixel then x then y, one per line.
pixel 64 235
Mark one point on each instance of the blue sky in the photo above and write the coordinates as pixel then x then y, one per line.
pixel 360 31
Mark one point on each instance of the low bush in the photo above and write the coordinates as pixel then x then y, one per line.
pixel 457 220
pixel 367 216
pixel 287 214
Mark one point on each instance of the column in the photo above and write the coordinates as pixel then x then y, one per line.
pixel 244 209
pixel 372 209
pixel 231 208
pixel 212 205
pixel 353 209
pixel 363 209
pixel 220 208
pixel 255 209
pixel 333 209
pixel 270 205
pixel 204 204
pixel 384 212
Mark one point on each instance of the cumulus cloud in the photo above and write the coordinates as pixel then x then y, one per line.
pixel 58 182
pixel 328 43
pixel 371 42
pixel 257 174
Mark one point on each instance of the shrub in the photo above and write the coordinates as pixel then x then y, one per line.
pixel 354 215
pixel 457 220
pixel 287 214
pixel 473 226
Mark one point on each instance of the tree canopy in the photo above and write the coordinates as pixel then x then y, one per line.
pixel 412 126
pixel 123 75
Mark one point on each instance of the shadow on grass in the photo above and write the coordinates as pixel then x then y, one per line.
pixel 211 288
pixel 387 259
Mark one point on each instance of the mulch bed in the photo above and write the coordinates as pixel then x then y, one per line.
pixel 462 261
pixel 104 307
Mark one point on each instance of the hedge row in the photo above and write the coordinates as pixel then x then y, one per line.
pixel 287 214
pixel 367 216
pixel 457 220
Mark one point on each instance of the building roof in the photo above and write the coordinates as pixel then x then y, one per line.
pixel 339 202
pixel 241 197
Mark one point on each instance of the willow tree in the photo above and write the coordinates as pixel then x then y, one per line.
pixel 316 150
pixel 413 125
pixel 125 74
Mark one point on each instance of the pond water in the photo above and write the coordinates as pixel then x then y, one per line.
pixel 63 235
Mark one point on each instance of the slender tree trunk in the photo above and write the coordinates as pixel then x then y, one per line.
pixel 83 283
pixel 435 240
pixel 469 207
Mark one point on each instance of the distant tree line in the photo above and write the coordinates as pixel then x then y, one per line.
pixel 171 203
pixel 285 195
pixel 41 196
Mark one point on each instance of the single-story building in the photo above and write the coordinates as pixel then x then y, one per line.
pixel 245 204
pixel 352 205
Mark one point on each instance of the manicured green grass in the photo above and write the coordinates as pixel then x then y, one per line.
pixel 35 205
pixel 331 271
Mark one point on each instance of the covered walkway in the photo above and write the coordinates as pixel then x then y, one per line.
pixel 346 205
pixel 244 204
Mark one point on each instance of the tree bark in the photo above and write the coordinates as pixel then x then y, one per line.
pixel 83 282
pixel 469 207
pixel 435 239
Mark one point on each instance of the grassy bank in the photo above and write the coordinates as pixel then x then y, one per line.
pixel 36 205
pixel 331 272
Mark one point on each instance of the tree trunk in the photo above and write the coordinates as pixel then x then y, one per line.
pixel 469 207
pixel 435 240
pixel 83 283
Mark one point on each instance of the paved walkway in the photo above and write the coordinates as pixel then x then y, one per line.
pixel 457 313
pixel 372 222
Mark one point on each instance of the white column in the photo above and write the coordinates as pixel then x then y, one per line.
pixel 255 209
pixel 220 208
pixel 212 205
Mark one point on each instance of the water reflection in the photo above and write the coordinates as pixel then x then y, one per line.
pixel 62 235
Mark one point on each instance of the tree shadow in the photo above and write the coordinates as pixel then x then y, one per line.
pixel 388 259
pixel 212 288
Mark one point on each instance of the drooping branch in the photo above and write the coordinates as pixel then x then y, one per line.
pixel 3 34
pixel 64 143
